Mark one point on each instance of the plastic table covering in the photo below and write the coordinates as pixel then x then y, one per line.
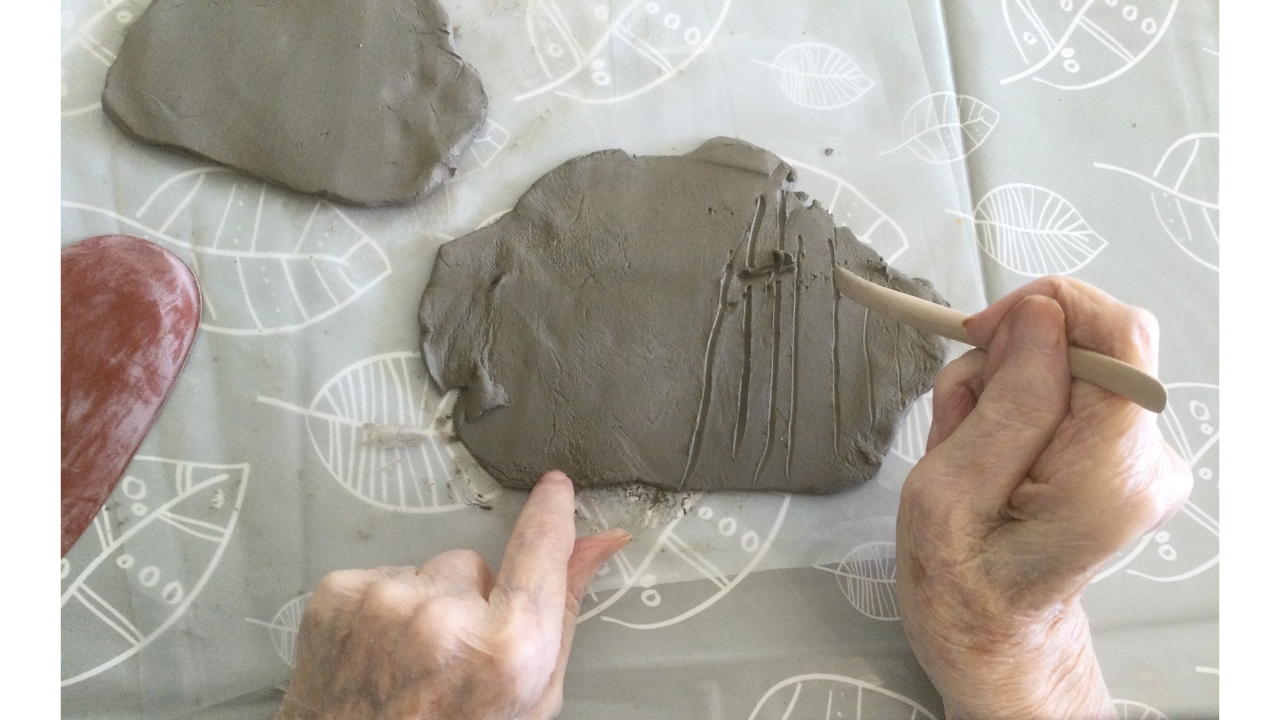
pixel 975 144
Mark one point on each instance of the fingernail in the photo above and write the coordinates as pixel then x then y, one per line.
pixel 1036 328
pixel 617 535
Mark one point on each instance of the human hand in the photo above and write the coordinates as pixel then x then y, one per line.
pixel 448 640
pixel 1030 483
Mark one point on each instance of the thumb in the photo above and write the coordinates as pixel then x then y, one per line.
pixel 589 553
pixel 1024 399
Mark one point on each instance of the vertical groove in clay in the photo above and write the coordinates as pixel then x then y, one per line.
pixel 756 222
pixel 744 390
pixel 699 423
pixel 795 348
pixel 776 339
pixel 835 345
pixel 866 359
pixel 897 361
pixel 782 220
pixel 775 286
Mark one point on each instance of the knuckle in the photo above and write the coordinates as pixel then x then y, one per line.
pixel 339 584
pixel 1144 327
pixel 915 487
pixel 1057 286
pixel 467 561
pixel 1153 486
pixel 439 627
pixel 389 597
pixel 517 657
pixel 441 615
pixel 917 498
pixel 554 701
pixel 949 375
pixel 965 371
pixel 926 491
pixel 1172 485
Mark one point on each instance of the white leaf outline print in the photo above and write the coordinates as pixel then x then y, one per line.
pixel 959 123
pixel 820 679
pixel 868 579
pixel 97 39
pixel 200 256
pixel 818 76
pixel 1079 22
pixel 890 242
pixel 1134 710
pixel 1176 435
pixel 643 575
pixel 1174 198
pixel 186 488
pixel 615 31
pixel 1033 231
pixel 284 628
pixel 371 420
pixel 487 145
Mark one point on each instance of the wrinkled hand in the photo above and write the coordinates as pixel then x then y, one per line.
pixel 448 640
pixel 1031 482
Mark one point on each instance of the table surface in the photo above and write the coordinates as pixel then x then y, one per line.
pixel 975 144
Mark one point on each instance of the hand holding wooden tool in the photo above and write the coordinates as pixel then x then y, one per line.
pixel 1106 372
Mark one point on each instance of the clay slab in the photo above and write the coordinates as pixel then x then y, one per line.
pixel 671 320
pixel 360 101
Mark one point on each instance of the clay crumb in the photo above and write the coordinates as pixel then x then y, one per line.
pixel 393 436
pixel 829 152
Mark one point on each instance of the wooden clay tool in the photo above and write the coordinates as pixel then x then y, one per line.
pixel 1106 372
pixel 130 310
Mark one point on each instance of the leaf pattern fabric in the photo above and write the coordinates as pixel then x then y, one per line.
pixel 976 145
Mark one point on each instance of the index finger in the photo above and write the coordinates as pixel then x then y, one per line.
pixel 1095 320
pixel 535 565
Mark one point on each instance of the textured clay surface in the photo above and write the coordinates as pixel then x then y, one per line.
pixel 672 321
pixel 360 101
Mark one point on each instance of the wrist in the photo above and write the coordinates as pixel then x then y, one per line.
pixel 1016 668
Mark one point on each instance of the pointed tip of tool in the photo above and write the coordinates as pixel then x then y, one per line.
pixel 847 283
pixel 1155 398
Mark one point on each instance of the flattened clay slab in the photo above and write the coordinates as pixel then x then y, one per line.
pixel 671 320
pixel 130 310
pixel 361 101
